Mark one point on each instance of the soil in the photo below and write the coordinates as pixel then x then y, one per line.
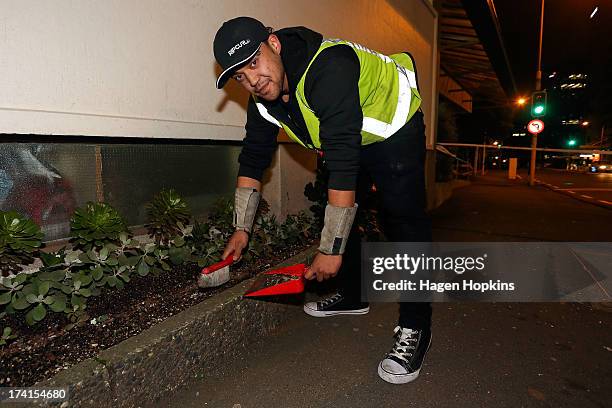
pixel 41 351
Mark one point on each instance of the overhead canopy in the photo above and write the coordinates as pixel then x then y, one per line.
pixel 472 53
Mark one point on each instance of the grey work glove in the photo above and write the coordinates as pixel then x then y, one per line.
pixel 336 229
pixel 246 201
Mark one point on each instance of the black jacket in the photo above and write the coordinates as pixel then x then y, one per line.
pixel 331 89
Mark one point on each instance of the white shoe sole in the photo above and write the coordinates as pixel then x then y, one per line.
pixel 329 313
pixel 397 378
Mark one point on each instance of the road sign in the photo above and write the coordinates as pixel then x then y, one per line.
pixel 535 126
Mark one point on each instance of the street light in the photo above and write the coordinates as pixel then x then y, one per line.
pixel 521 101
pixel 585 123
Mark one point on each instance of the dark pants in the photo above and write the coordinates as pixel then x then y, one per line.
pixel 396 166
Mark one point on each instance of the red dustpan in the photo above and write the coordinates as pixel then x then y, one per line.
pixel 285 281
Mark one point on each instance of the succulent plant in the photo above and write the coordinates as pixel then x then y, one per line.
pixel 6 335
pixel 96 225
pixel 167 214
pixel 11 293
pixel 20 239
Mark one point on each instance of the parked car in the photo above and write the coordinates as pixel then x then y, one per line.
pixel 600 168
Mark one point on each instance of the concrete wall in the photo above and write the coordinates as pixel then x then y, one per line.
pixel 146 68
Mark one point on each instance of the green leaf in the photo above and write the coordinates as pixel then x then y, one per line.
pixel 85 292
pixel 143 269
pixel 39 312
pixel 123 260
pixel 48 300
pixel 43 288
pixel 19 302
pixel 30 318
pixel 97 273
pixel 104 253
pixel 59 275
pixel 66 289
pixel 179 241
pixel 6 332
pixel 76 300
pixel 19 279
pixel 58 304
pixel 72 256
pixel 84 279
pixel 31 298
pixel 5 298
pixel 120 284
pixel 112 281
pixel 29 288
pixel 133 260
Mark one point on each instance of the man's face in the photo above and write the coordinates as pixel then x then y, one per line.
pixel 264 74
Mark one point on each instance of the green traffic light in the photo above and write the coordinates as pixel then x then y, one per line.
pixel 538 104
pixel 571 142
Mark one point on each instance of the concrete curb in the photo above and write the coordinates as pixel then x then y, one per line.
pixel 192 344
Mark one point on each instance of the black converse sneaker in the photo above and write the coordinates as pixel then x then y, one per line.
pixel 335 305
pixel 403 363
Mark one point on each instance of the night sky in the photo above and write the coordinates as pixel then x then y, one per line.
pixel 572 41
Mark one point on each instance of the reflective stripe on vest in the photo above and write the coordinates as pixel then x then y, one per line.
pixel 264 113
pixel 384 129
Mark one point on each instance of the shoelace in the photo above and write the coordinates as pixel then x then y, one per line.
pixel 403 343
pixel 329 300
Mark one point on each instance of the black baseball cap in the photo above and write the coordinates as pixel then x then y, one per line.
pixel 236 42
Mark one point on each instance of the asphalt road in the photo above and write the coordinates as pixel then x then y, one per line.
pixel 482 354
pixel 591 187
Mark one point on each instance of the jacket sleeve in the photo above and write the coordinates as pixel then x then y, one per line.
pixel 259 144
pixel 333 93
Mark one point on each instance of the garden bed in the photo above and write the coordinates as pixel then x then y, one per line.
pixel 44 349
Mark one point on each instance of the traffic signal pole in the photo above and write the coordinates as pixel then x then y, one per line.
pixel 534 137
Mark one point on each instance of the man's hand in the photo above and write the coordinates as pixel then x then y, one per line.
pixel 237 242
pixel 324 267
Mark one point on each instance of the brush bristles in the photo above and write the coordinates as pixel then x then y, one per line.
pixel 214 279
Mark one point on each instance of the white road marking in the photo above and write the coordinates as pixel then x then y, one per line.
pixel 585 196
pixel 571 192
pixel 586 189
pixel 605 202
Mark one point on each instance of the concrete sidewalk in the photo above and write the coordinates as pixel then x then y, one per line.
pixel 483 354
